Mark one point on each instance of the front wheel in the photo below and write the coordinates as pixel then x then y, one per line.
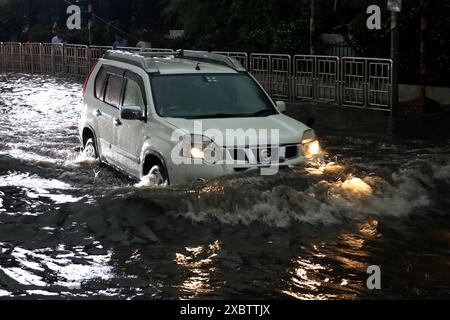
pixel 90 149
pixel 157 176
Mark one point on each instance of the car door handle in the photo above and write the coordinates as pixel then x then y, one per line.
pixel 98 113
pixel 117 122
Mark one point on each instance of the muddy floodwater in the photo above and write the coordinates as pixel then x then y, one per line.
pixel 73 229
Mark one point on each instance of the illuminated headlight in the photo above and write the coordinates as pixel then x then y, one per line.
pixel 197 153
pixel 310 144
pixel 201 148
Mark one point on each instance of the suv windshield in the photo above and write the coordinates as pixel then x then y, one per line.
pixel 203 96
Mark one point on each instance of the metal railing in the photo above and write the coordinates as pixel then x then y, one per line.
pixel 1 56
pixel 347 81
pixel 316 77
pixel 242 57
pixel 273 72
pixel 77 60
pixel 52 58
pixel 366 83
pixel 31 57
pixel 12 56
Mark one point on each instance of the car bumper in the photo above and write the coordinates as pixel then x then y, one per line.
pixel 186 173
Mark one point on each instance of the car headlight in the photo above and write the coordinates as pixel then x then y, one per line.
pixel 310 144
pixel 201 148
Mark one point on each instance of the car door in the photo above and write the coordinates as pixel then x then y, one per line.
pixel 108 113
pixel 130 133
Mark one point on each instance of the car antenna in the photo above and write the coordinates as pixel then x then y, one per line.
pixel 197 67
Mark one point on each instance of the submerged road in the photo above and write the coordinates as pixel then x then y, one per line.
pixel 73 228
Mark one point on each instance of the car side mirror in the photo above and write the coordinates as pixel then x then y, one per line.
pixel 131 113
pixel 281 106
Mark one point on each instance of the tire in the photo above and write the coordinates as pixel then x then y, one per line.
pixel 156 176
pixel 90 149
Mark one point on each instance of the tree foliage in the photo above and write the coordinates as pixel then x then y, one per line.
pixel 10 18
pixel 244 25
pixel 377 43
pixel 270 26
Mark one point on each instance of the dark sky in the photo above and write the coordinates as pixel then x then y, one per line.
pixel 107 9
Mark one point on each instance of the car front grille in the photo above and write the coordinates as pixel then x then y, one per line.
pixel 291 152
pixel 262 155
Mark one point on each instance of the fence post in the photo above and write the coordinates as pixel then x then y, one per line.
pixel 1 56
pixel 395 39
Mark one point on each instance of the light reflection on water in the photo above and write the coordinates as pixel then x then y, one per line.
pixel 69 268
pixel 305 279
pixel 312 278
pixel 198 263
pixel 36 189
pixel 71 227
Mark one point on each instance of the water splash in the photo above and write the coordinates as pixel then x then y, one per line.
pixel 152 180
pixel 332 196
pixel 70 267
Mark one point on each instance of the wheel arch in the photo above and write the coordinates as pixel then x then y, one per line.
pixel 150 158
pixel 87 133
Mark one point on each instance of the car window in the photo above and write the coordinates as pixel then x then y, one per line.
pixel 113 90
pixel 209 95
pixel 133 95
pixel 100 83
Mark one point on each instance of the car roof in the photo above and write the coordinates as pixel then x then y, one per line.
pixel 180 66
pixel 180 62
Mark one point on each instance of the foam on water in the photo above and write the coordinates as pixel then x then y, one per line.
pixel 70 267
pixel 81 160
pixel 324 202
pixel 147 182
pixel 34 189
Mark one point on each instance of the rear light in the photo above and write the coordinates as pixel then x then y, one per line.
pixel 88 76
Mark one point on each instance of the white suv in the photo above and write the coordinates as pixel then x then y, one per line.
pixel 183 116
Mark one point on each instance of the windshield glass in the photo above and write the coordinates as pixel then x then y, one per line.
pixel 202 96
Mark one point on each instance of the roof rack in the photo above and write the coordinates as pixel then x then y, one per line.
pixel 136 59
pixel 203 56
pixel 139 58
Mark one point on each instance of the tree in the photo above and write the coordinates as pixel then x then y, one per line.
pixel 377 43
pixel 10 19
pixel 244 25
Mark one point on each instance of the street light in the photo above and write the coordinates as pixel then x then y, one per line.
pixel 312 28
pixel 395 7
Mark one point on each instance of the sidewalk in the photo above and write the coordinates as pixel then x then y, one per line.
pixel 335 119
pixel 329 119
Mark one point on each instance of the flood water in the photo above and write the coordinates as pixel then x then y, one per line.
pixel 74 229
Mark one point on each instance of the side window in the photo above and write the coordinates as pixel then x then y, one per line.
pixel 133 95
pixel 100 84
pixel 113 90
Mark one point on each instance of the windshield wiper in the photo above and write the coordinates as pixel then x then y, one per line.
pixel 260 113
pixel 214 116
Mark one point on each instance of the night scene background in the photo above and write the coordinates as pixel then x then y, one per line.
pixel 71 228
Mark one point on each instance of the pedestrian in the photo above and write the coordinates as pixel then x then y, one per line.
pixel 57 39
pixel 120 42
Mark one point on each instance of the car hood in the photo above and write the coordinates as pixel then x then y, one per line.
pixel 290 130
